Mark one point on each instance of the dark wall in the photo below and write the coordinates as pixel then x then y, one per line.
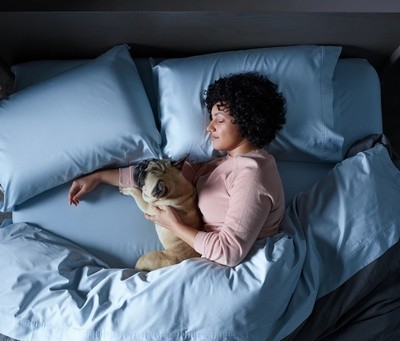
pixel 390 87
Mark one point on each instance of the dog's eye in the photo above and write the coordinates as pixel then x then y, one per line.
pixel 159 190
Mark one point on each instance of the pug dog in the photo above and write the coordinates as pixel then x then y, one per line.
pixel 161 183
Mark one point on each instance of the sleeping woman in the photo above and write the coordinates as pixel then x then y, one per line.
pixel 240 195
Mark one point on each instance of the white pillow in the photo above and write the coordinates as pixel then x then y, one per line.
pixel 93 116
pixel 303 74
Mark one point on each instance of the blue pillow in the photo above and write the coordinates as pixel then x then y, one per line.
pixel 357 104
pixel 93 116
pixel 30 73
pixel 302 73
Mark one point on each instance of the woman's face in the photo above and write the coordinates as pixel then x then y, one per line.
pixel 225 135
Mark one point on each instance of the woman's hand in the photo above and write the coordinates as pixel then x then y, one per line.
pixel 169 218
pixel 165 216
pixel 82 186
pixel 88 183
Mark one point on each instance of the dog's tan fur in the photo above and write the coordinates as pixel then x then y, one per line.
pixel 164 185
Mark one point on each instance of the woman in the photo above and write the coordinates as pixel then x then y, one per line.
pixel 240 194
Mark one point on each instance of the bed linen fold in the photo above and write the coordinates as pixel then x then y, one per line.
pixel 56 290
pixel 52 289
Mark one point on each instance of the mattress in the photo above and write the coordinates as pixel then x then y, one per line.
pixel 69 270
pixel 106 222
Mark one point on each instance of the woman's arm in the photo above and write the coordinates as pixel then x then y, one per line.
pixel 84 185
pixel 249 206
pixel 169 218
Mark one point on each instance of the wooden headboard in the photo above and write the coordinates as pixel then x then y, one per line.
pixel 32 30
pixel 70 29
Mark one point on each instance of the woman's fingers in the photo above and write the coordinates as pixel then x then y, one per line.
pixel 77 196
pixel 72 192
pixel 76 192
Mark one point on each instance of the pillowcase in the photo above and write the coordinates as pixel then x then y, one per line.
pixel 93 116
pixel 357 100
pixel 303 74
pixel 29 73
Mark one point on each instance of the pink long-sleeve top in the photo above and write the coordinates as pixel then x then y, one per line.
pixel 241 199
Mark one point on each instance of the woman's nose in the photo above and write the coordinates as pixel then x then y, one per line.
pixel 210 127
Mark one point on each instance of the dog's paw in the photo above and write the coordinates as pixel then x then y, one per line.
pixel 144 264
pixel 153 260
pixel 132 191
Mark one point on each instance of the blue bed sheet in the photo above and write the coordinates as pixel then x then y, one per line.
pixel 51 289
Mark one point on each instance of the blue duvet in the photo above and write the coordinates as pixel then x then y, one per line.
pixel 51 289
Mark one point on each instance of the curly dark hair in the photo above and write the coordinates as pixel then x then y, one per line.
pixel 253 101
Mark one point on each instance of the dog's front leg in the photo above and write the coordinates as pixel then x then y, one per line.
pixel 136 193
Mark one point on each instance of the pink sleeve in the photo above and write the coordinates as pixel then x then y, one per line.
pixel 126 177
pixel 249 206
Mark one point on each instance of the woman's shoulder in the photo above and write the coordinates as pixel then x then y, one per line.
pixel 260 168
pixel 258 159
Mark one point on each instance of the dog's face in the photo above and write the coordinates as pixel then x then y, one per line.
pixel 158 179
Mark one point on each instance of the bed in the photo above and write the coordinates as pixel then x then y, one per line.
pixel 333 271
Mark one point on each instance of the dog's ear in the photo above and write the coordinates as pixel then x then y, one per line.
pixel 139 172
pixel 179 164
